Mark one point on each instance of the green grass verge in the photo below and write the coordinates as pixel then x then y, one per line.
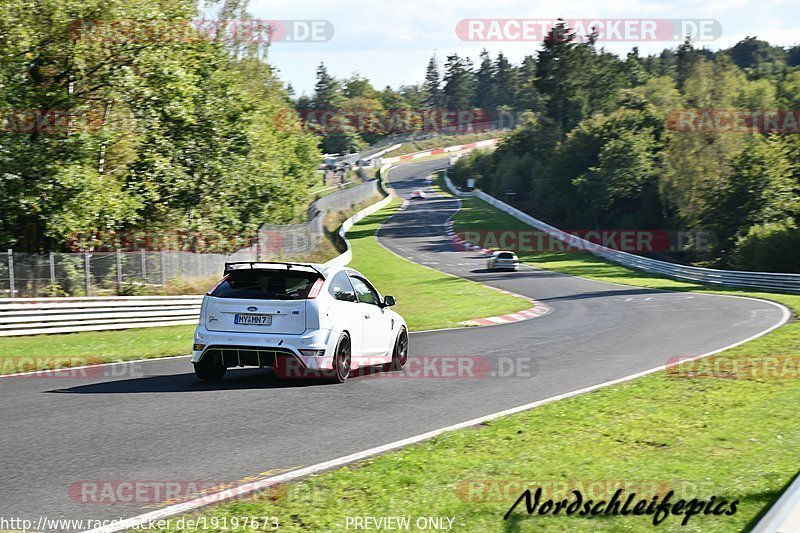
pixel 41 352
pixel 426 298
pixel 735 439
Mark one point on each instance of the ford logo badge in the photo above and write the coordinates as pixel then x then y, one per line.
pixel 252 308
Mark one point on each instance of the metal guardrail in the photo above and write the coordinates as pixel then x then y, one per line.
pixel 37 316
pixel 769 281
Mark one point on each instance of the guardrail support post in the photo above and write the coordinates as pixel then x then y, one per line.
pixel 87 270
pixel 119 271
pixel 11 286
pixel 52 269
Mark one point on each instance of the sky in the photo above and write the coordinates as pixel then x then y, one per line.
pixel 390 43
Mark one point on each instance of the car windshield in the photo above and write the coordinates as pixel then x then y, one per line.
pixel 266 285
pixel 505 255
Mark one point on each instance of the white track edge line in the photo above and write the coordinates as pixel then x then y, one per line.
pixel 249 488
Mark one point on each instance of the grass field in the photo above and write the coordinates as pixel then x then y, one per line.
pixel 735 439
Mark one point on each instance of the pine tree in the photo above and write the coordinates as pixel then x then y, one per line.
pixel 433 84
pixel 458 83
pixel 484 82
pixel 327 91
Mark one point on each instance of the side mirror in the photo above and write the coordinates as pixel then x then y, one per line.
pixel 388 301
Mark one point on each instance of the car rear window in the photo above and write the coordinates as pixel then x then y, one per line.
pixel 266 285
pixel 505 255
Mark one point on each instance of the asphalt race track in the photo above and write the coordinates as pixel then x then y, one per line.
pixel 156 421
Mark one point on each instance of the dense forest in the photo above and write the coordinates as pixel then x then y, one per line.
pixel 596 147
pixel 123 116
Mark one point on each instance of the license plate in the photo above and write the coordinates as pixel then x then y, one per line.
pixel 253 320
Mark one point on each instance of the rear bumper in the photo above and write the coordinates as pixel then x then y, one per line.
pixel 266 350
pixel 504 266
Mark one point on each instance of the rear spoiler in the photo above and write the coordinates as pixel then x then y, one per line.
pixel 257 265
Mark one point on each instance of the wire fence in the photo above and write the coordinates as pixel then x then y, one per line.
pixel 25 275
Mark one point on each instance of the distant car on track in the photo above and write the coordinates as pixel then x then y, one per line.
pixel 301 320
pixel 418 194
pixel 503 260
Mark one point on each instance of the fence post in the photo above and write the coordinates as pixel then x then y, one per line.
pixel 52 270
pixel 119 272
pixel 11 286
pixel 87 270
pixel 144 266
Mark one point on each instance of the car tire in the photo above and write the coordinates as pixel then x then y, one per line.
pixel 342 359
pixel 399 353
pixel 209 369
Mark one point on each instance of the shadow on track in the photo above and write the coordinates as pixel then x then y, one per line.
pixel 236 379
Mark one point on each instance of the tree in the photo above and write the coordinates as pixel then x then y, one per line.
pixel 359 87
pixel 458 83
pixel 484 82
pixel 751 52
pixel 151 126
pixel 434 97
pixel 526 96
pixel 505 82
pixel 327 91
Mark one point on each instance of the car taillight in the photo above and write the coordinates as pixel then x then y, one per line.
pixel 314 292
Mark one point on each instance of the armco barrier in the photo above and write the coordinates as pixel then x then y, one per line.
pixel 36 316
pixel 768 281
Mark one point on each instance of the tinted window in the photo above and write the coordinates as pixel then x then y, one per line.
pixel 266 285
pixel 505 256
pixel 366 294
pixel 341 289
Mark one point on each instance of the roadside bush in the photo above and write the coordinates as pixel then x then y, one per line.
pixel 771 247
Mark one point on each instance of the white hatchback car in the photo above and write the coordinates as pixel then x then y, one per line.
pixel 503 259
pixel 301 320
